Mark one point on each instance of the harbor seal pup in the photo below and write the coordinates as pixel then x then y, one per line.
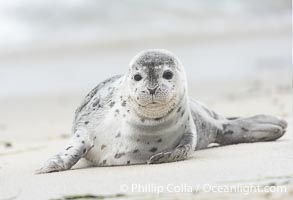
pixel 146 116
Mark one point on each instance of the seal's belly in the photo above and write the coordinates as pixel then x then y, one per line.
pixel 119 156
pixel 125 152
pixel 120 143
pixel 117 148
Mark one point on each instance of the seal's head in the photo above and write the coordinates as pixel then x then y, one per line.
pixel 156 83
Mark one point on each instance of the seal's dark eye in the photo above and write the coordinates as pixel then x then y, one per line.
pixel 168 75
pixel 137 77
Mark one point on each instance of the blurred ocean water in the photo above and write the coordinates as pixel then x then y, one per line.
pixel 67 46
pixel 30 23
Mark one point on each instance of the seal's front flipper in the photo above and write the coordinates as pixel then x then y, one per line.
pixel 252 129
pixel 57 163
pixel 181 152
pixel 67 158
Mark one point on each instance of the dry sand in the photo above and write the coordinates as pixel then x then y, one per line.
pixel 33 129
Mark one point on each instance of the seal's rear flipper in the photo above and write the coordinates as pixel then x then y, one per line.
pixel 258 128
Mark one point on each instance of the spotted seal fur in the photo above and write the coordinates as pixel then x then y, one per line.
pixel 146 116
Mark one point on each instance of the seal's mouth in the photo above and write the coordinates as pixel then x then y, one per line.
pixel 153 104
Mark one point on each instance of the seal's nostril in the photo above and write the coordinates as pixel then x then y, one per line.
pixel 152 91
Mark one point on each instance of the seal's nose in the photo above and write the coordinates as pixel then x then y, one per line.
pixel 153 90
